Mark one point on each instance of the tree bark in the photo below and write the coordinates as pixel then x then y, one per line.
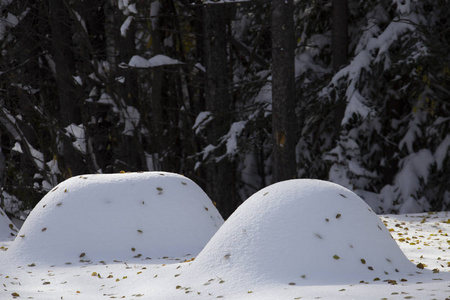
pixel 339 53
pixel 156 101
pixel 64 62
pixel 65 68
pixel 111 34
pixel 283 91
pixel 218 100
pixel 339 41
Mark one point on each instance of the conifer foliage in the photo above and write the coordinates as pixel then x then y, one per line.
pixel 106 86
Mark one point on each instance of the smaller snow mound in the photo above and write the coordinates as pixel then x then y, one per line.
pixel 117 217
pixel 7 229
pixel 301 232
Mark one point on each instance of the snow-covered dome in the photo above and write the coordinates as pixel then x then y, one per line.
pixel 301 232
pixel 116 217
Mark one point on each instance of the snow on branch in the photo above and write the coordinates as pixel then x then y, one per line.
pixel 156 61
pixel 223 1
pixel 202 120
pixel 373 47
pixel 125 26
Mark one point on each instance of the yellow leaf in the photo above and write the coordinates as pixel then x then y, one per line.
pixel 420 266
pixel 424 78
pixel 280 138
pixel 150 40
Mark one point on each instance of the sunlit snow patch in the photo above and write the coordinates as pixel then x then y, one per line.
pixel 301 232
pixel 118 217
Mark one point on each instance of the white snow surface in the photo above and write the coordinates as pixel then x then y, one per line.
pixel 78 133
pixel 307 232
pixel 17 148
pixel 156 61
pixel 232 136
pixel 115 217
pixel 130 117
pixel 125 26
pixel 203 118
pixel 298 239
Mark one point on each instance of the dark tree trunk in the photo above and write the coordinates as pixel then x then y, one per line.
pixel 339 54
pixel 339 41
pixel 221 178
pixel 64 62
pixel 63 58
pixel 156 100
pixel 111 30
pixel 283 91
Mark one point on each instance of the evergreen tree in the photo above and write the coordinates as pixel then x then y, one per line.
pixel 107 86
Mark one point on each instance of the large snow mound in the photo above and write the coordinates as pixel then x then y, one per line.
pixel 118 217
pixel 301 232
pixel 7 229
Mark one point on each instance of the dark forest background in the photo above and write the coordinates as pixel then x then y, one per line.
pixel 234 95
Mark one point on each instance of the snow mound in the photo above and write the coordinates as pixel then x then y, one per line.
pixel 301 232
pixel 7 229
pixel 118 217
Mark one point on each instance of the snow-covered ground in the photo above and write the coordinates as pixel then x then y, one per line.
pixel 157 235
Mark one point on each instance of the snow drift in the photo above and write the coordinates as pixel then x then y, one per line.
pixel 301 232
pixel 118 217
